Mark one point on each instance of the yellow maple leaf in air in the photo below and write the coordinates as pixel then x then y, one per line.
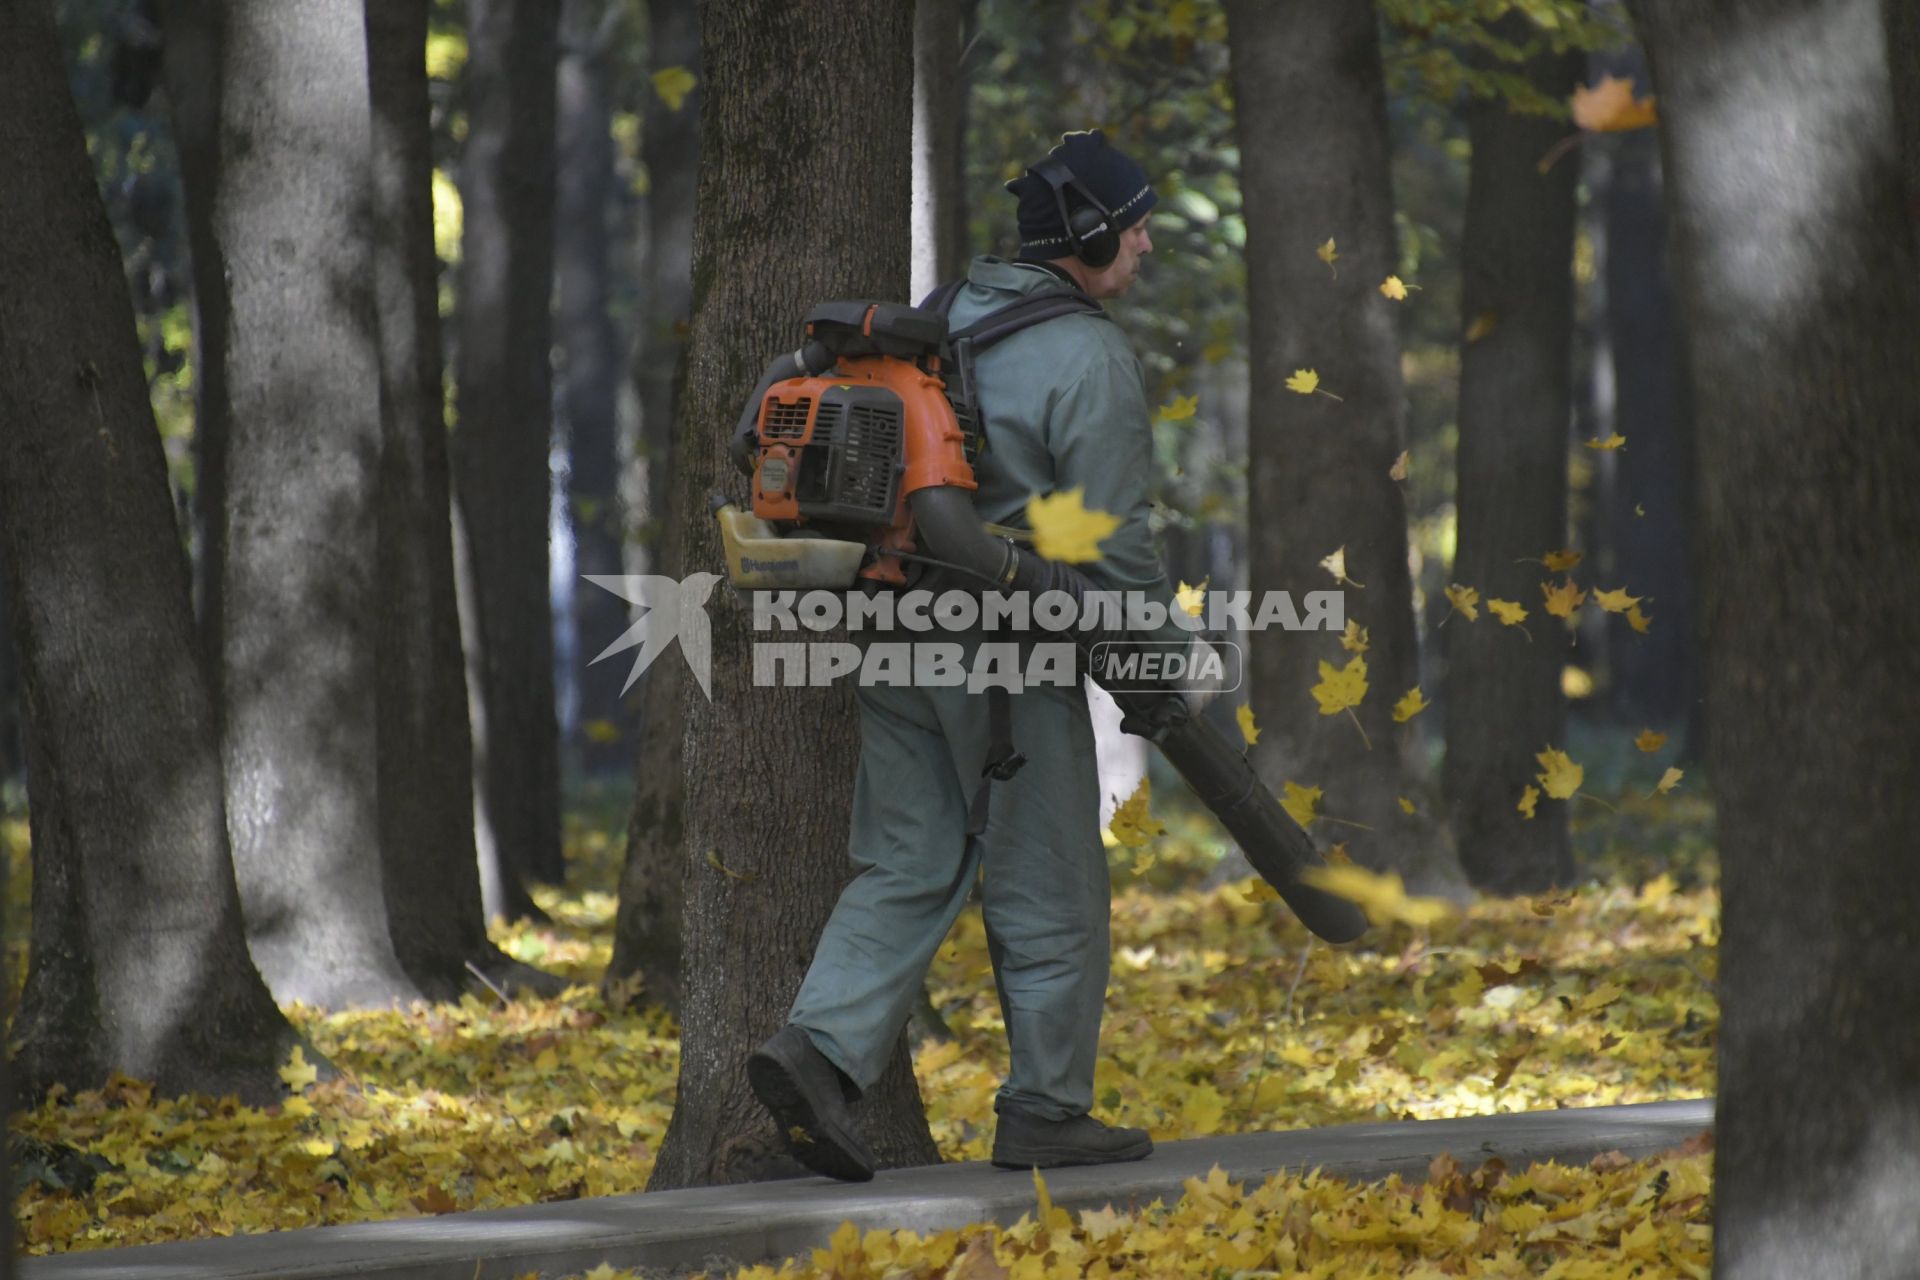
pixel 673 84
pixel 1610 107
pixel 1398 471
pixel 298 1073
pixel 1483 324
pixel 601 731
pixel 1301 803
pixel 1510 612
pixel 1409 706
pixel 1616 601
pixel 1065 529
pixel 1248 730
pixel 1393 287
pixel 1342 688
pixel 1354 638
pixel 1614 441
pixel 1562 598
pixel 1639 621
pixel 1562 777
pixel 1193 599
pixel 1561 561
pixel 1327 253
pixel 1528 799
pixel 1465 600
pixel 1668 781
pixel 1179 409
pixel 1406 805
pixel 1336 564
pixel 1649 741
pixel 1382 897
pixel 1133 823
pixel 1304 381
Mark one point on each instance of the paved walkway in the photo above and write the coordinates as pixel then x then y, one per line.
pixel 771 1220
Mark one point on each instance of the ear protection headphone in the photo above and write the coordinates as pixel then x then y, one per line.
pixel 1090 230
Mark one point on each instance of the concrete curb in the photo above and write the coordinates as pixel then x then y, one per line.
pixel 771 1220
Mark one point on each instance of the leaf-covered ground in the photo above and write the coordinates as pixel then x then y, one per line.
pixel 1223 1017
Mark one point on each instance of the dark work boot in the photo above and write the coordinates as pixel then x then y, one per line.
pixel 806 1095
pixel 1023 1140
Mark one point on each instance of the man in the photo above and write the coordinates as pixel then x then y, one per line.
pixel 1065 409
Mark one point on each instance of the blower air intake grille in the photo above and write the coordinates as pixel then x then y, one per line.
pixel 787 421
pixel 850 468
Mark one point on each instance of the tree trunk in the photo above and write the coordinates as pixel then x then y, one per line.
pixel 769 771
pixel 505 421
pixel 431 874
pixel 1903 50
pixel 138 959
pixel 939 146
pixel 1311 112
pixel 1504 702
pixel 1798 270
pixel 291 217
pixel 590 346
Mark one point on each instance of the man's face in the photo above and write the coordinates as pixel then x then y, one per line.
pixel 1118 276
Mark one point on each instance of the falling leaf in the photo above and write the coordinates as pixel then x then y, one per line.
pixel 1406 805
pixel 1561 561
pixel 1649 741
pixel 1341 689
pixel 1064 529
pixel 1638 511
pixel 673 84
pixel 1465 600
pixel 1668 781
pixel 1382 896
pixel 1614 441
pixel 1304 381
pixel 1193 599
pixel 1409 706
pixel 1392 288
pixel 1562 777
pixel 1483 324
pixel 1398 471
pixel 1336 564
pixel 298 1073
pixel 1260 891
pixel 1598 998
pixel 1337 855
pixel 1243 714
pixel 1639 621
pixel 1610 107
pixel 713 860
pixel 1509 612
pixel 1354 638
pixel 1616 601
pixel 1180 409
pixel 1326 253
pixel 601 731
pixel 1562 599
pixel 1528 799
pixel 1133 823
pixel 1301 803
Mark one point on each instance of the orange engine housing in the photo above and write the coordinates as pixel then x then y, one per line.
pixel 846 449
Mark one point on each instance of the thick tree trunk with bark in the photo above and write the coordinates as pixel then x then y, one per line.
pixel 1504 702
pixel 591 356
pixel 430 873
pixel 505 422
pixel 769 771
pixel 138 959
pixel 939 146
pixel 1800 279
pixel 1311 109
pixel 291 217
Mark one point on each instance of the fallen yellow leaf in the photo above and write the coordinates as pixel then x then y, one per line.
pixel 298 1073
pixel 1382 896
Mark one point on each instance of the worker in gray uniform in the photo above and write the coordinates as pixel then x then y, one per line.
pixel 1065 409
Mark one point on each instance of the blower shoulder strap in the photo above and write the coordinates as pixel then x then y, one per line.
pixel 1004 322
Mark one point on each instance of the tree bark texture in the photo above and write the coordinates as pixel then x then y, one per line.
pixel 291 217
pixel 1647 492
pixel 138 959
pixel 589 343
pixel 430 870
pixel 939 146
pixel 1311 111
pixel 769 771
pixel 1798 271
pixel 191 56
pixel 506 418
pixel 1503 702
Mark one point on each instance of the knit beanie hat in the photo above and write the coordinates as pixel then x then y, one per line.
pixel 1120 184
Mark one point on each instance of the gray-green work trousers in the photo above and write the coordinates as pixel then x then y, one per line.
pixel 1043 880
